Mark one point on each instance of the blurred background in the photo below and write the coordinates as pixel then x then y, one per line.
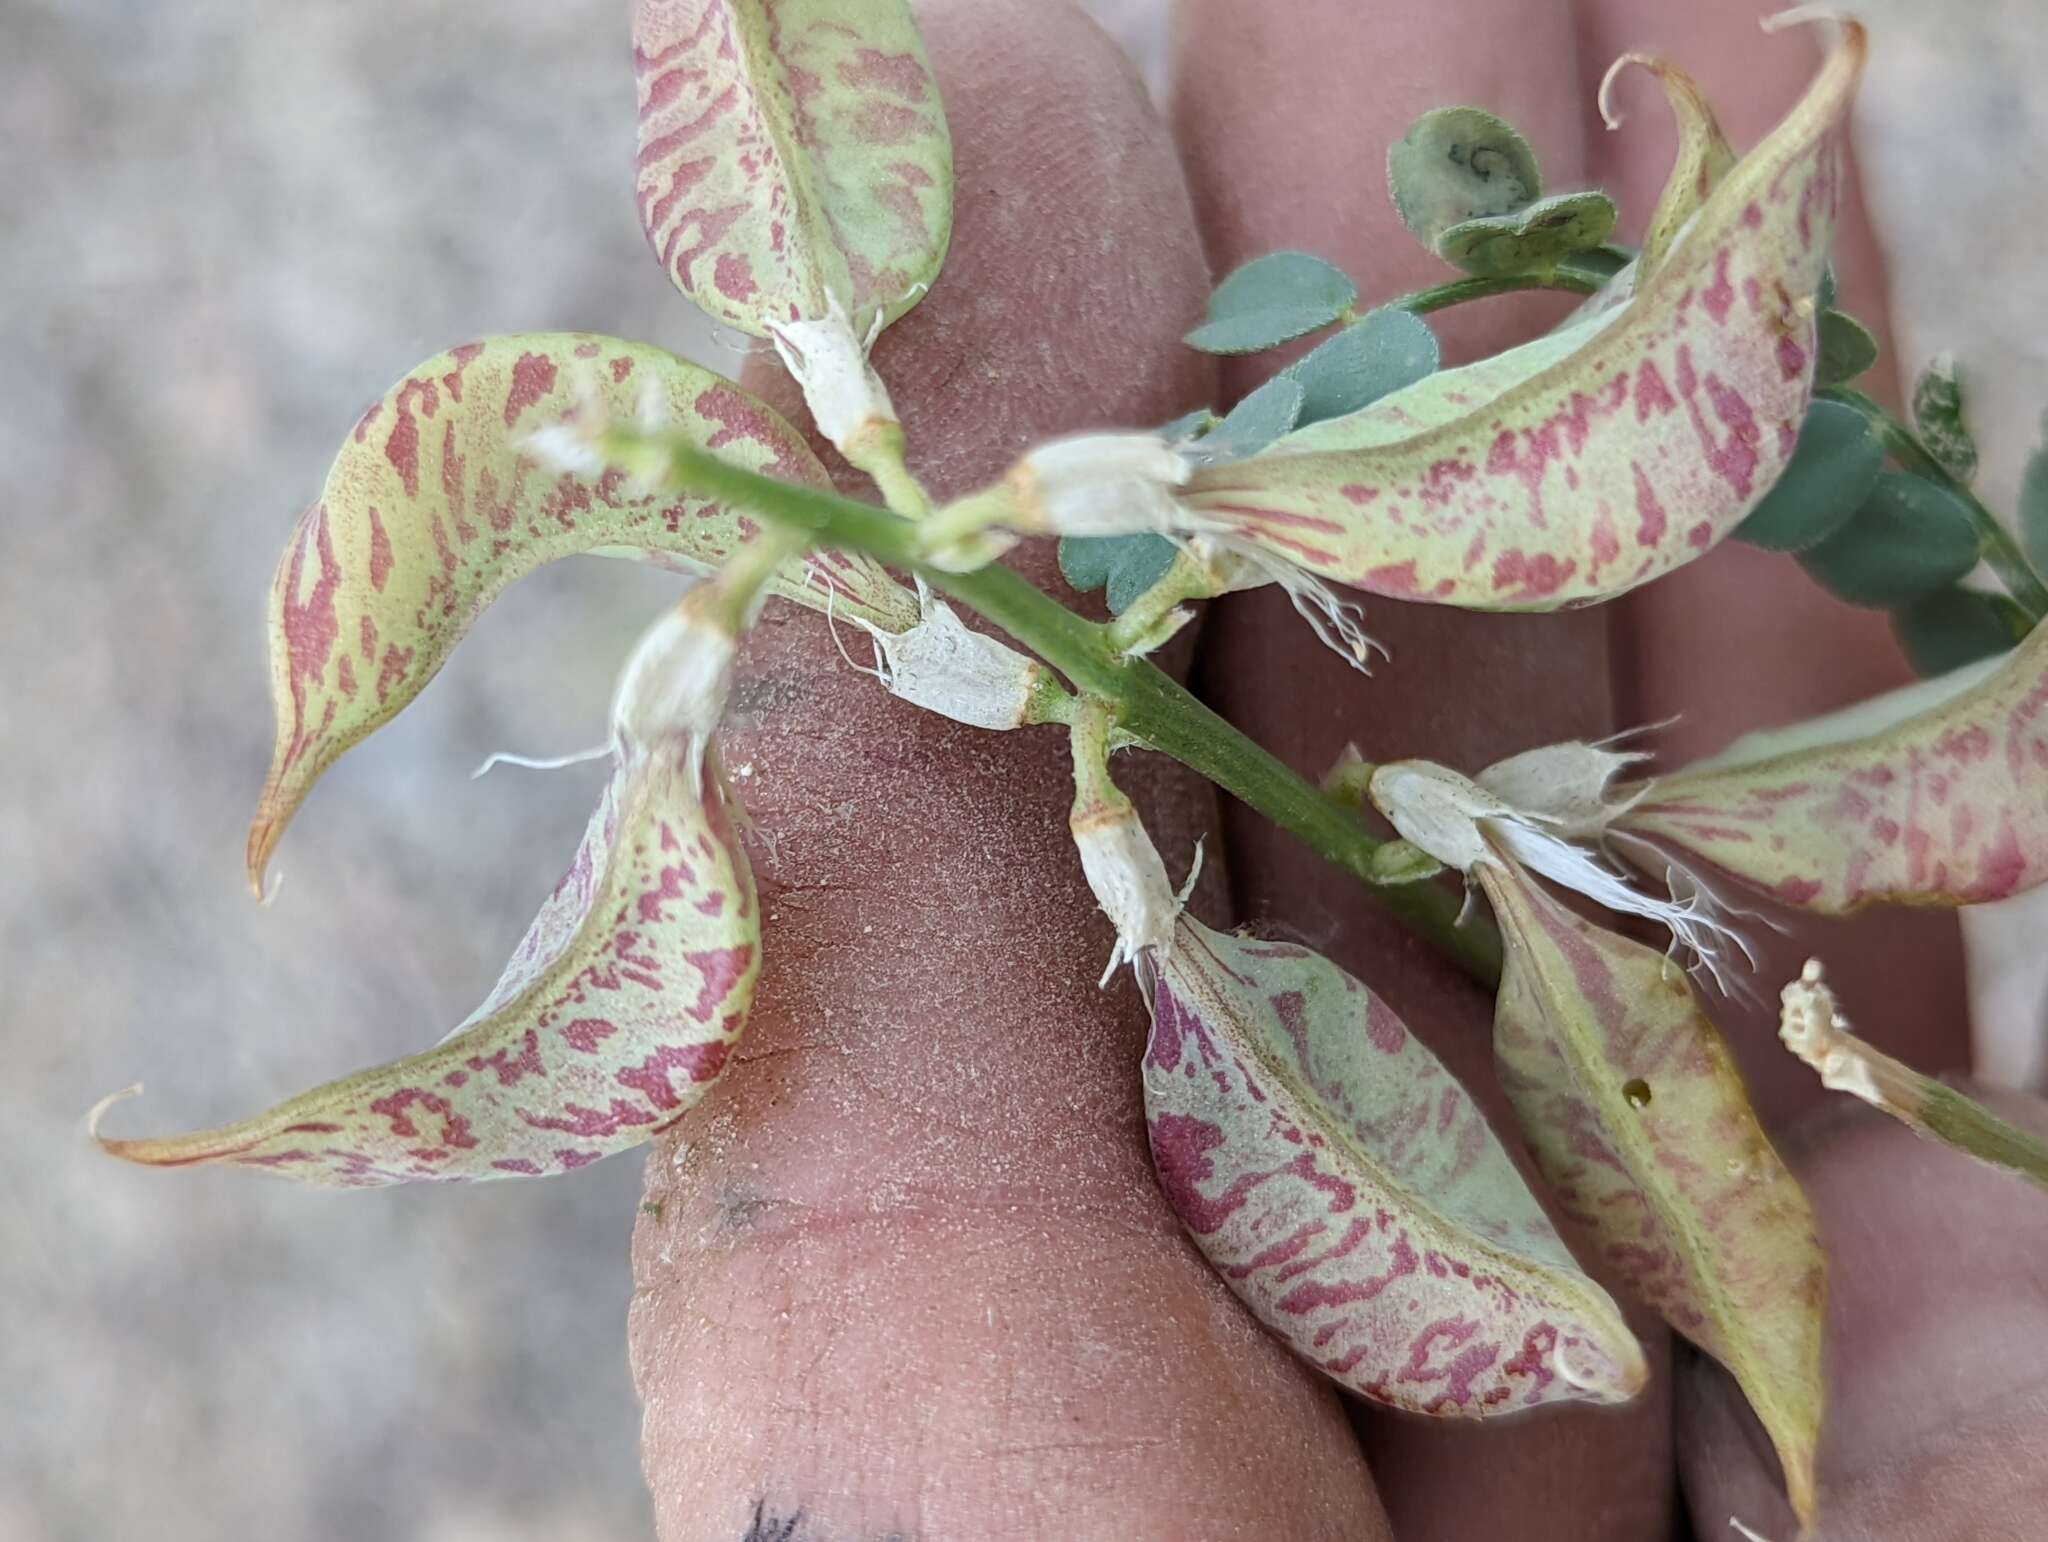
pixel 225 226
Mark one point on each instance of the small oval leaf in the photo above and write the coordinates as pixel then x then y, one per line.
pixel 1952 628
pixel 1384 351
pixel 1592 460
pixel 1255 422
pixel 616 1013
pixel 791 152
pixel 1910 538
pixel 1929 796
pixel 1832 473
pixel 1351 1194
pixel 1847 349
pixel 1632 1106
pixel 434 507
pixel 1272 300
pixel 1531 238
pixel 1456 164
pixel 1125 566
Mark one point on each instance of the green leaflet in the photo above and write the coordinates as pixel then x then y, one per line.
pixel 1382 352
pixel 1456 164
pixel 1531 238
pixel 1592 460
pixel 1272 300
pixel 792 153
pixel 1630 1101
pixel 1125 566
pixel 1847 349
pixel 1831 475
pixel 1255 422
pixel 1910 538
pixel 435 506
pixel 1951 628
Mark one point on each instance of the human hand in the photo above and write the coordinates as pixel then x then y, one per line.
pixel 909 1273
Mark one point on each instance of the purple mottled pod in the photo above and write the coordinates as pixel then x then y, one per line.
pixel 1347 1189
pixel 616 1013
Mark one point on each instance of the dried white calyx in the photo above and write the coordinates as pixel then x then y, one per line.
pixel 1435 808
pixel 1813 1028
pixel 1571 785
pixel 1102 484
pixel 1464 824
pixel 1128 878
pixel 946 667
pixel 675 683
pixel 846 397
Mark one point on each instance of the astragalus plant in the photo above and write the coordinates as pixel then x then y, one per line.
pixel 794 178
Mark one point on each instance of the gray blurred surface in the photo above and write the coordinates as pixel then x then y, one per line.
pixel 228 226
pixel 225 226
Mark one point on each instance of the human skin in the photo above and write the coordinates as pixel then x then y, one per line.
pixel 908 1273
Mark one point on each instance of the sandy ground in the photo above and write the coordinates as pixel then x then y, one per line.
pixel 224 226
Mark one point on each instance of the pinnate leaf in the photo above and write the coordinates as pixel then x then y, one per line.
pixel 615 1015
pixel 1384 351
pixel 436 505
pixel 1456 164
pixel 1910 538
pixel 1272 300
pixel 792 152
pixel 1930 796
pixel 1592 460
pixel 1832 473
pixel 1348 1190
pixel 1631 1104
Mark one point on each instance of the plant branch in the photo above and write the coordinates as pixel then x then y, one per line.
pixel 1147 703
pixel 1999 548
pixel 1581 273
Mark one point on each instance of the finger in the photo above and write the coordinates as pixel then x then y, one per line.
pixel 908 1271
pixel 1284 115
pixel 1742 638
pixel 1937 1348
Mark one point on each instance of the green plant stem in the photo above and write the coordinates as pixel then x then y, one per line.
pixel 880 453
pixel 1999 548
pixel 1581 273
pixel 1147 703
pixel 1968 1125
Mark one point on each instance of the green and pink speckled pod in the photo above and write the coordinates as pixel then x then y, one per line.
pixel 615 1015
pixel 792 153
pixel 1630 1101
pixel 1590 461
pixel 435 506
pixel 1349 1191
pixel 1932 796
